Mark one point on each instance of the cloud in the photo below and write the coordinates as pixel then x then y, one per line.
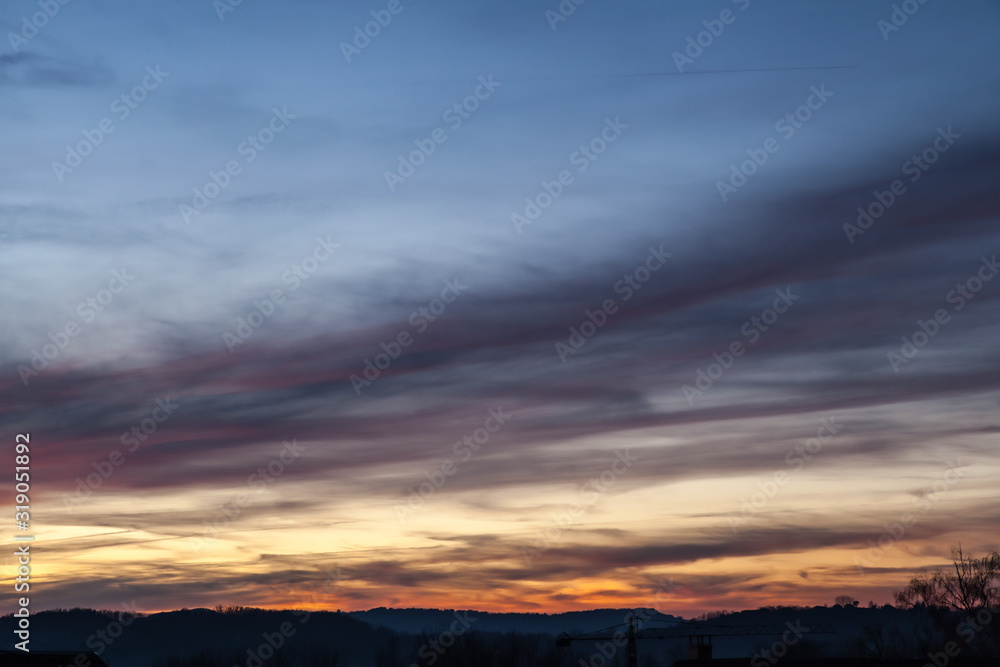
pixel 26 69
pixel 494 346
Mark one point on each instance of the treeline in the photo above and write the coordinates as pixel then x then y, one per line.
pixel 935 618
pixel 394 649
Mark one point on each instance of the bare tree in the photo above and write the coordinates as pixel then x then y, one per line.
pixel 873 641
pixel 973 586
pixel 962 604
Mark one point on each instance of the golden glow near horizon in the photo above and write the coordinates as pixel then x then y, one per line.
pixel 771 535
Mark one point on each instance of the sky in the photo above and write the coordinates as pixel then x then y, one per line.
pixel 499 306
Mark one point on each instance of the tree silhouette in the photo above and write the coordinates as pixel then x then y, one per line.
pixel 974 585
pixel 963 604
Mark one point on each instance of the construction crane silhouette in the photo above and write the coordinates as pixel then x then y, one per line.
pixel 699 636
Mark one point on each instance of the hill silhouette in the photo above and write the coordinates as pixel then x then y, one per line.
pixel 244 637
pixel 383 637
pixel 416 620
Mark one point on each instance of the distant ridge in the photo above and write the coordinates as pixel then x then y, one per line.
pixel 418 620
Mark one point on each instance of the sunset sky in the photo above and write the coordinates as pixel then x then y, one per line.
pixel 499 308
